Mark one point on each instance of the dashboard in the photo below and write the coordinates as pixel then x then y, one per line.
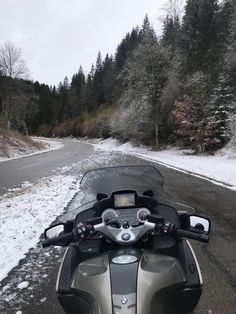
pixel 134 216
pixel 125 209
pixel 126 206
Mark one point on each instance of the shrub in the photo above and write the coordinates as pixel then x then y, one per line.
pixel 134 123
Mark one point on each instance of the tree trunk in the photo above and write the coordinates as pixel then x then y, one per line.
pixel 3 107
pixel 157 142
pixel 8 113
pixel 25 128
pixel 8 124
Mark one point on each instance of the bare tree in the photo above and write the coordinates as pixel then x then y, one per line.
pixel 173 9
pixel 12 66
pixel 11 63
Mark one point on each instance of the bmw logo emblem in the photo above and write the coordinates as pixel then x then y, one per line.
pixel 124 300
pixel 125 236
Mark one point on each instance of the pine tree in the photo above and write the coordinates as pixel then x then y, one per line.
pixel 171 33
pixel 97 82
pixel 217 130
pixel 89 93
pixel 108 80
pixel 147 33
pixel 199 37
pixel 125 48
pixel 231 53
pixel 124 51
pixel 77 92
pixel 64 101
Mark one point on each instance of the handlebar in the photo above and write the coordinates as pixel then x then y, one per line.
pixel 172 230
pixel 61 238
pixel 192 235
pixel 127 235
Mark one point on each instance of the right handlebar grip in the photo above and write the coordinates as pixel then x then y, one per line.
pixel 64 237
pixel 192 235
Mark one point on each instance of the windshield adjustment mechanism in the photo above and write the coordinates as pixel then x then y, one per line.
pixel 156 219
pixel 94 221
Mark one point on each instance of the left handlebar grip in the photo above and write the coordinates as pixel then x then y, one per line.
pixel 64 237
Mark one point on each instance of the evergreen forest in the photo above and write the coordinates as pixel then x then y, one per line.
pixel 175 89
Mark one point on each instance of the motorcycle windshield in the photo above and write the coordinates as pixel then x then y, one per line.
pixel 108 180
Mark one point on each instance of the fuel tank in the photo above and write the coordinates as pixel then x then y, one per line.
pixel 129 281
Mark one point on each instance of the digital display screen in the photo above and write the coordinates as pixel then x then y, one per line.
pixel 124 200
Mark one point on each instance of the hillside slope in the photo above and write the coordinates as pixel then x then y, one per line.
pixel 14 144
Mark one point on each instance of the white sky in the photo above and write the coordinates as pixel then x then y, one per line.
pixel 56 36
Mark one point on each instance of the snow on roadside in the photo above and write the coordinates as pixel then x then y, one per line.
pixel 49 143
pixel 221 168
pixel 23 285
pixel 24 216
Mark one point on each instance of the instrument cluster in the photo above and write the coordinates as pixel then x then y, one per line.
pixel 133 216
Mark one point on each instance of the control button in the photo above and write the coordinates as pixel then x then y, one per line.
pixel 126 225
pixel 191 268
pixel 125 236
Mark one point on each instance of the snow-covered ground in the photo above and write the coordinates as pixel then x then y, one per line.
pixel 220 168
pixel 30 151
pixel 26 212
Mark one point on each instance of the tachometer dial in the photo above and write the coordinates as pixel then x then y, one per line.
pixel 109 215
pixel 142 214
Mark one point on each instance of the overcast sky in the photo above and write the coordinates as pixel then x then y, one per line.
pixel 56 36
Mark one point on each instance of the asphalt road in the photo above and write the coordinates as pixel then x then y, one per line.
pixel 14 172
pixel 217 259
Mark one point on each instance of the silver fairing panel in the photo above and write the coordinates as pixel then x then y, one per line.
pixel 154 273
pixel 93 277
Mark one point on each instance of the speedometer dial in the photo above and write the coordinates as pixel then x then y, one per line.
pixel 109 215
pixel 142 214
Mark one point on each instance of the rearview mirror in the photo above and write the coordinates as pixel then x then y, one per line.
pixel 54 231
pixel 200 224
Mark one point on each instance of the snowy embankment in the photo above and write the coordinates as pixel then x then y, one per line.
pixel 48 145
pixel 220 168
pixel 26 212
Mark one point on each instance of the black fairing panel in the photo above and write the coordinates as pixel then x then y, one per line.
pixel 75 305
pixel 188 262
pixel 124 278
pixel 183 301
pixel 70 262
pixel 164 245
pixel 169 213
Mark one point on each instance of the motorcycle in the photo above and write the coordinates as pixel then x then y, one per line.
pixel 127 248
